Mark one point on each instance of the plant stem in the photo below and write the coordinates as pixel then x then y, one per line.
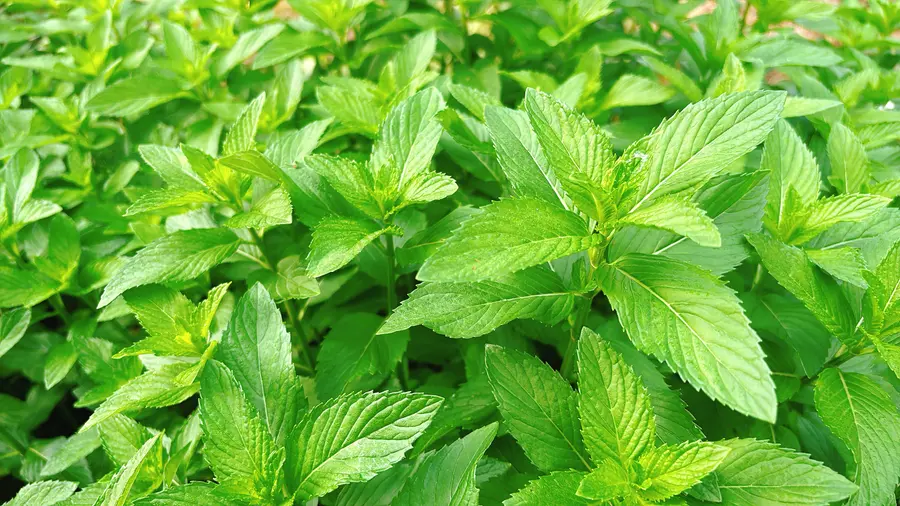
pixel 574 333
pixel 60 308
pixel 403 365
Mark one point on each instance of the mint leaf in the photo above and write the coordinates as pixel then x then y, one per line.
pixel 337 241
pixel 757 472
pixel 134 95
pixel 616 418
pixel 13 324
pixel 149 458
pixel 704 138
pixel 554 489
pixel 539 408
pixel 578 151
pixel 465 310
pixel 447 477
pixel 179 256
pixel 863 416
pixel 674 469
pixel 507 236
pixel 352 438
pixel 820 294
pixel 257 349
pixel 679 216
pixel 849 164
pixel 521 157
pixel 791 166
pixel 43 492
pixel 237 445
pixel 661 302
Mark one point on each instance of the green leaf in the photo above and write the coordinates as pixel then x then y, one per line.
pixel 679 216
pixel 252 163
pixel 257 349
pixel 447 477
pixel 354 349
pixel 693 321
pixel 134 95
pixel 193 494
pixel 179 256
pixel 507 236
pixel 168 316
pixel 634 90
pixel 846 264
pixel 337 241
pixel 153 389
pixel 290 280
pixel 172 166
pixel 819 293
pixel 791 166
pixel 24 288
pixel 168 198
pixel 292 146
pixel 149 458
pixel 704 138
pixel 409 136
pixel 616 418
pixel 237 445
pixel 73 450
pixel 372 192
pixel 59 362
pixel 246 46
pixel 13 324
pixel 354 437
pixel 674 469
pixel 881 307
pixel 180 47
pixel 63 252
pixel 380 490
pixel 539 408
pixel 830 211
pixel 269 210
pixel 788 319
pixel 242 136
pixel 760 472
pixel 464 310
pixel 554 489
pixel 578 151
pixel 423 244
pixel 474 100
pixel 863 416
pixel 45 493
pixel 784 52
pixel 521 157
pixel 21 172
pixel 122 437
pixel 608 482
pixel 849 163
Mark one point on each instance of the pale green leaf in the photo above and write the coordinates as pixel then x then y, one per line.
pixel 760 472
pixel 863 416
pixel 13 324
pixel 846 264
pixel 616 417
pixel 539 408
pixel 269 210
pixel 179 256
pixel 74 449
pixel 819 293
pixel 579 153
pixel 447 477
pixel 237 445
pixel 690 319
pixel 464 310
pixel 44 493
pixel 634 90
pixel 608 482
pixel 507 236
pixel 247 44
pixel 554 489
pixel 674 469
pixel 337 241
pixel 706 137
pixel 791 166
pixel 521 157
pixel 242 136
pixel 679 216
pixel 849 163
pixel 134 95
pixel 149 456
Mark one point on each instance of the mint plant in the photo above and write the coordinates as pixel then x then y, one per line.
pixel 379 253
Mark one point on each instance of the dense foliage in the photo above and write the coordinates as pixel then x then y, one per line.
pixel 392 252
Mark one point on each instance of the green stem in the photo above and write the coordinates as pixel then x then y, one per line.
pixel 60 308
pixel 403 365
pixel 568 363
